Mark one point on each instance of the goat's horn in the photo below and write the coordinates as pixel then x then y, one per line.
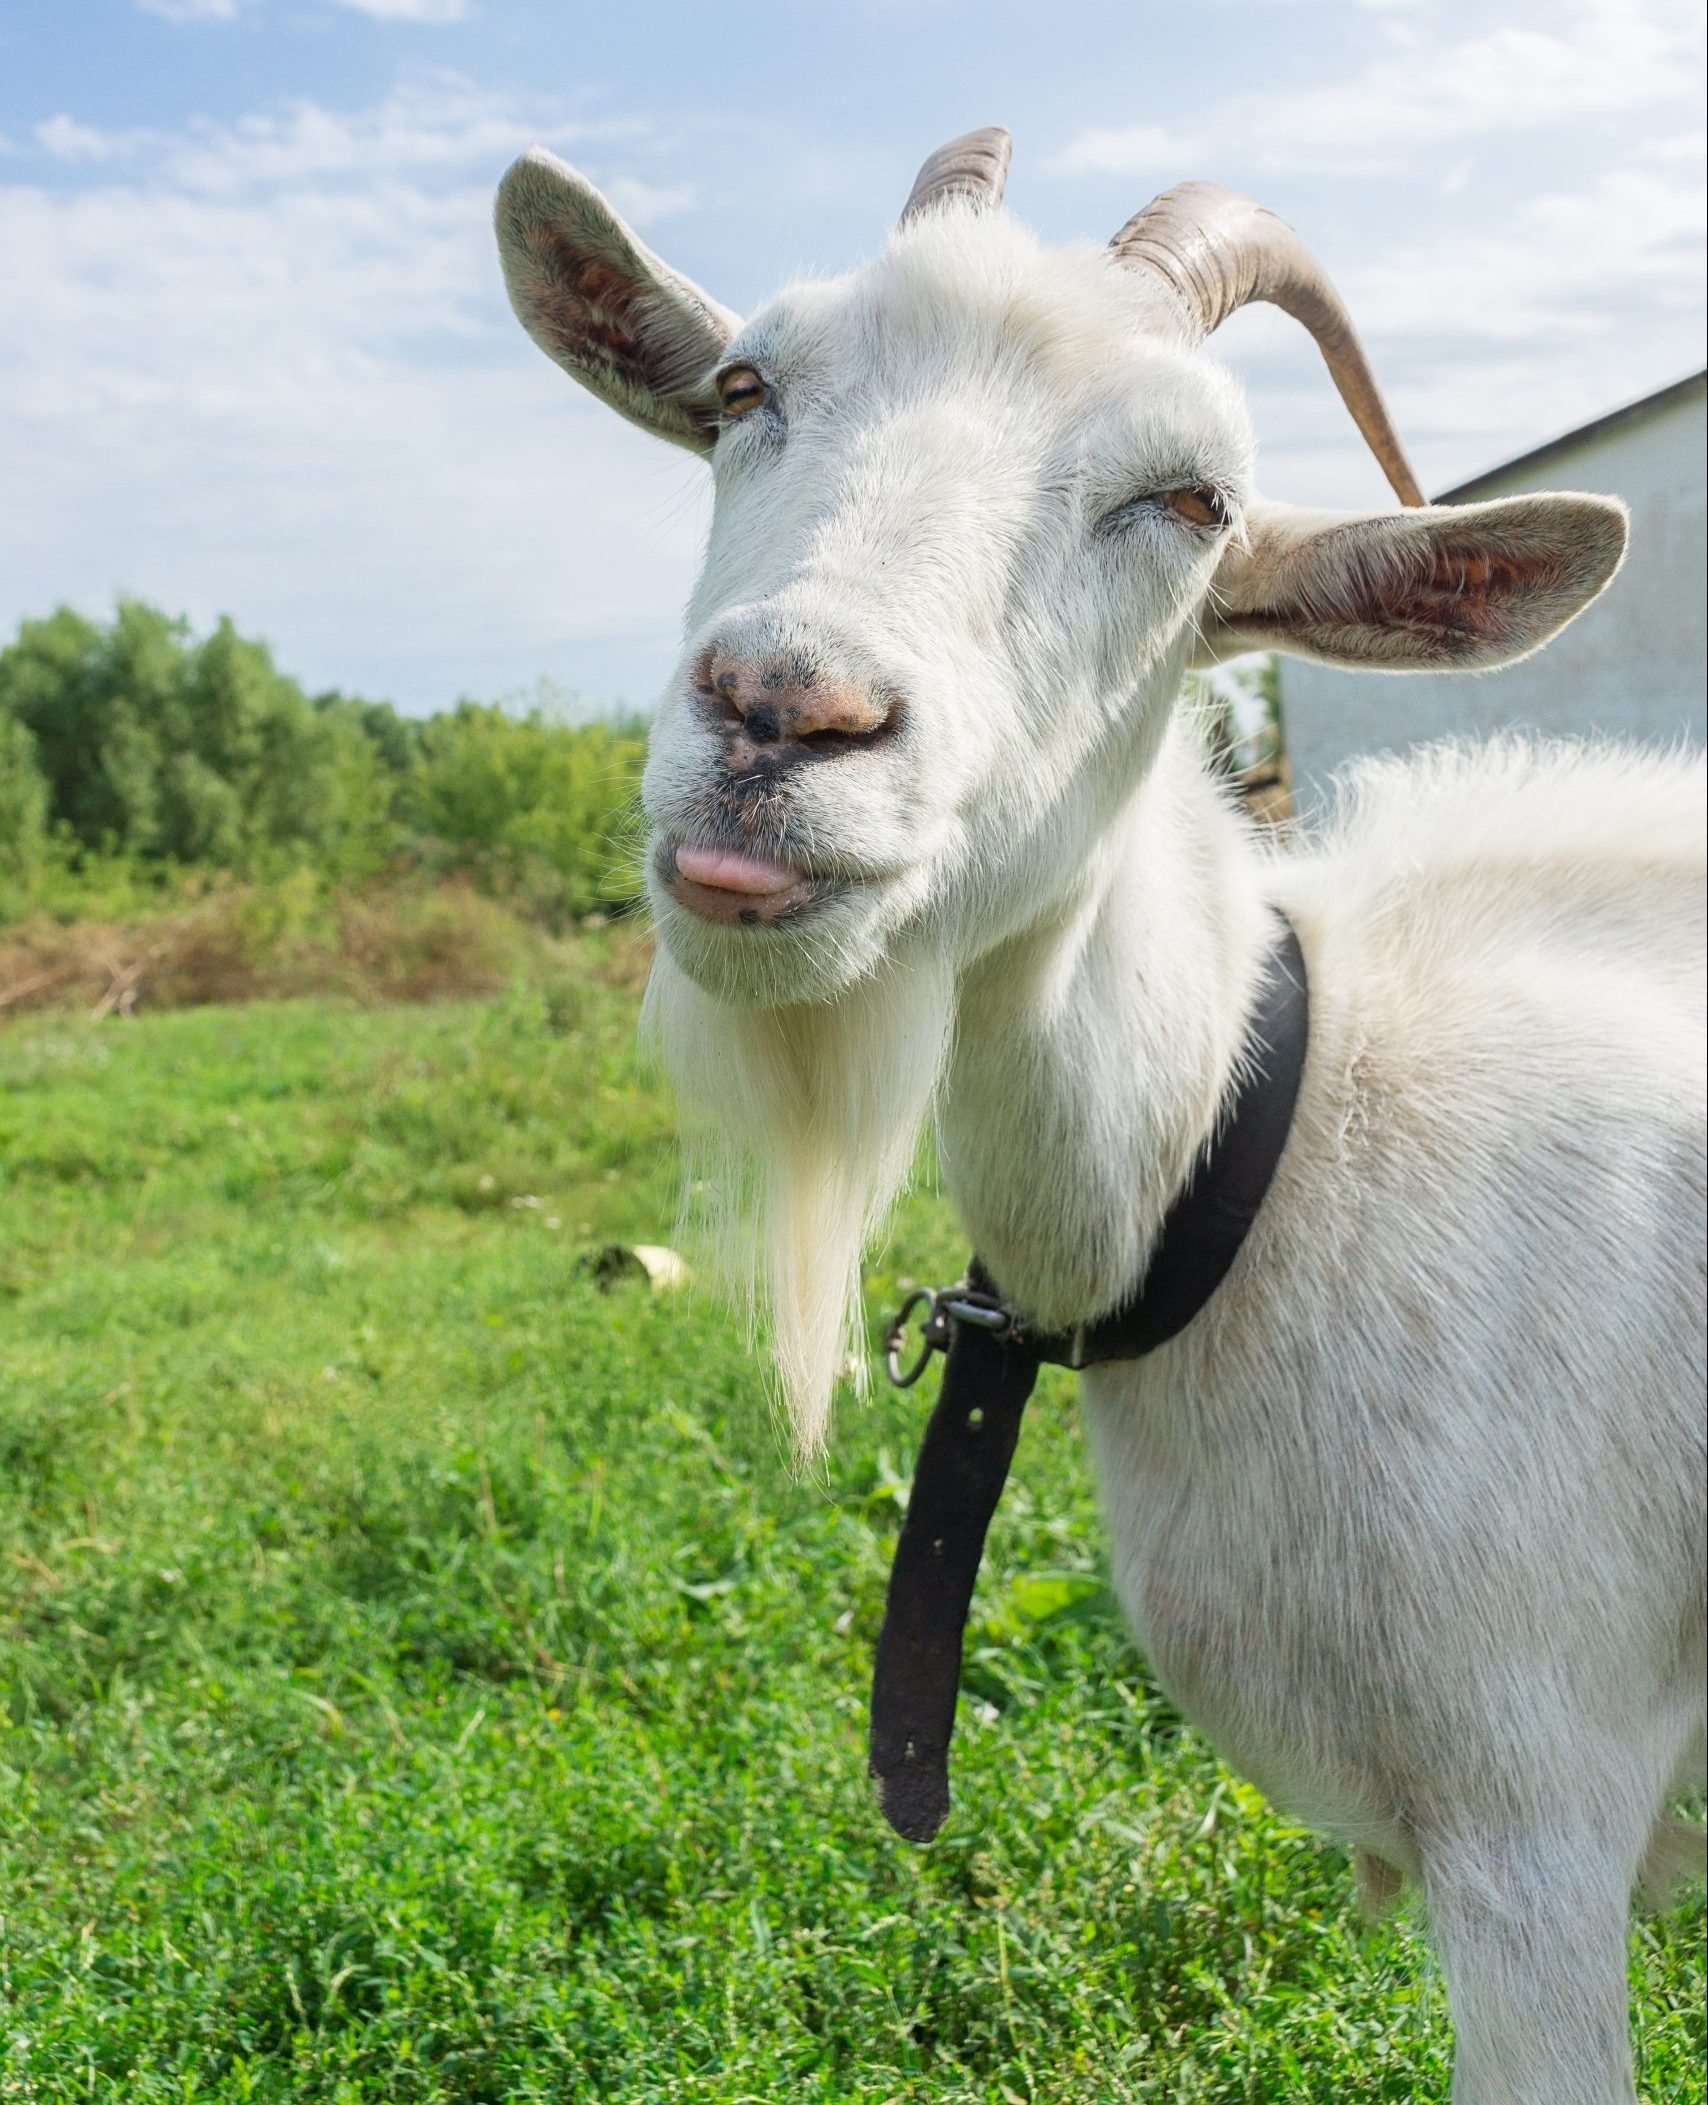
pixel 974 166
pixel 1217 251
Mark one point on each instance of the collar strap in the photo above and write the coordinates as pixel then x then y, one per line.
pixel 1204 1228
pixel 963 1464
pixel 992 1365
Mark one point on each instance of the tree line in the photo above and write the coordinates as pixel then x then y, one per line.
pixel 136 740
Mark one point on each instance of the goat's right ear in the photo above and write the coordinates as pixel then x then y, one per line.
pixel 1443 588
pixel 596 299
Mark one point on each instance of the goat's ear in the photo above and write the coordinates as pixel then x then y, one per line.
pixel 1441 589
pixel 596 299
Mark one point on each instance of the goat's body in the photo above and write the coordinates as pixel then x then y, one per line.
pixel 1410 1520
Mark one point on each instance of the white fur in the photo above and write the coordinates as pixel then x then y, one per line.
pixel 1410 1519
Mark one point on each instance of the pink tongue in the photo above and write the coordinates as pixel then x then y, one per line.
pixel 726 870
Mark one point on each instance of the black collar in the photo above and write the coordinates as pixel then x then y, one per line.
pixel 1203 1229
pixel 993 1362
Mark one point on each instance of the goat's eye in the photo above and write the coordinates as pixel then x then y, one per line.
pixel 739 390
pixel 1198 504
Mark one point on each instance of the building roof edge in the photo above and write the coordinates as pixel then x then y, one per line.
pixel 1597 427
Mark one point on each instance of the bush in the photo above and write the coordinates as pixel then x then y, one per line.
pixel 537 811
pixel 23 813
pixel 155 746
pixel 286 937
pixel 136 761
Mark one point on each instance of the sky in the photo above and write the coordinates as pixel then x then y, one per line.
pixel 256 359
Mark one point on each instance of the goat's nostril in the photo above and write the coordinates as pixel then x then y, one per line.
pixel 789 704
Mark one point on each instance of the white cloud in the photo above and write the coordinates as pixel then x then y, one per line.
pixel 646 203
pixel 1133 149
pixel 191 10
pixel 424 11
pixel 1684 146
pixel 414 130
pixel 410 10
pixel 1425 94
pixel 268 367
pixel 1609 57
pixel 427 128
pixel 67 140
pixel 1492 338
pixel 1569 264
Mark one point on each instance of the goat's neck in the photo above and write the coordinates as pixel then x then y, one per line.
pixel 1091 1051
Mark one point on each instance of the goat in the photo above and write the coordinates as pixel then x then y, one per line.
pixel 1410 1518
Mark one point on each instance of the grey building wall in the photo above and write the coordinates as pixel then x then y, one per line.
pixel 1632 666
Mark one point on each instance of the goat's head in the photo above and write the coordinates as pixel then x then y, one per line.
pixel 978 506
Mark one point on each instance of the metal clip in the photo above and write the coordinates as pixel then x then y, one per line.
pixel 945 1305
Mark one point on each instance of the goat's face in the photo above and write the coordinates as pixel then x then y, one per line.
pixel 964 518
pixel 975 506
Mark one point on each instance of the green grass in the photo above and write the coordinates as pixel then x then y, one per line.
pixel 424 1681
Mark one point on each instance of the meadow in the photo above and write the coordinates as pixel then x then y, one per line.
pixel 425 1681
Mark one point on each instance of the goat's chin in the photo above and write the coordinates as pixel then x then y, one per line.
pixel 813 957
pixel 803 1120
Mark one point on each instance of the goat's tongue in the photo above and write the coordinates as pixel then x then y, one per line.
pixel 728 870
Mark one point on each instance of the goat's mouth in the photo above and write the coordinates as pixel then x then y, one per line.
pixel 735 886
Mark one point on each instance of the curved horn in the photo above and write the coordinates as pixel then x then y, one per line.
pixel 1217 251
pixel 974 167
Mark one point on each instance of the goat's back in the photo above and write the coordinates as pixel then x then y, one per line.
pixel 1587 857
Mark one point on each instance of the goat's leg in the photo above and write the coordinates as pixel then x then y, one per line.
pixel 1531 1934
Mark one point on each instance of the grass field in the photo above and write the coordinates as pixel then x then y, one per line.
pixel 424 1681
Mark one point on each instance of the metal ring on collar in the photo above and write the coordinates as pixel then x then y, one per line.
pixel 944 1306
pixel 895 1336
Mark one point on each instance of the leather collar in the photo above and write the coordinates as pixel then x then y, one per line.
pixel 993 1363
pixel 1204 1228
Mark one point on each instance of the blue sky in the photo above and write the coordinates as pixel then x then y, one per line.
pixel 255 356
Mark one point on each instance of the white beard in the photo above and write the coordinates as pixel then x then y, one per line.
pixel 803 1124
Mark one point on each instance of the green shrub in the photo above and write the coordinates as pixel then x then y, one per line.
pixel 536 810
pixel 136 756
pixel 399 940
pixel 23 812
pixel 157 746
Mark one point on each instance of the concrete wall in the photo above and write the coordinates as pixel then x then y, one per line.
pixel 1631 666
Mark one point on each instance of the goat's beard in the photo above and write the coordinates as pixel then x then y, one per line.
pixel 802 1125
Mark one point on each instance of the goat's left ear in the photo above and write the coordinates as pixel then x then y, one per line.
pixel 597 300
pixel 1445 588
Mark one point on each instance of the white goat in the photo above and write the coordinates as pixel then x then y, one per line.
pixel 1410 1518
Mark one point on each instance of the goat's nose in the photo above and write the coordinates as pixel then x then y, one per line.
pixel 788 704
